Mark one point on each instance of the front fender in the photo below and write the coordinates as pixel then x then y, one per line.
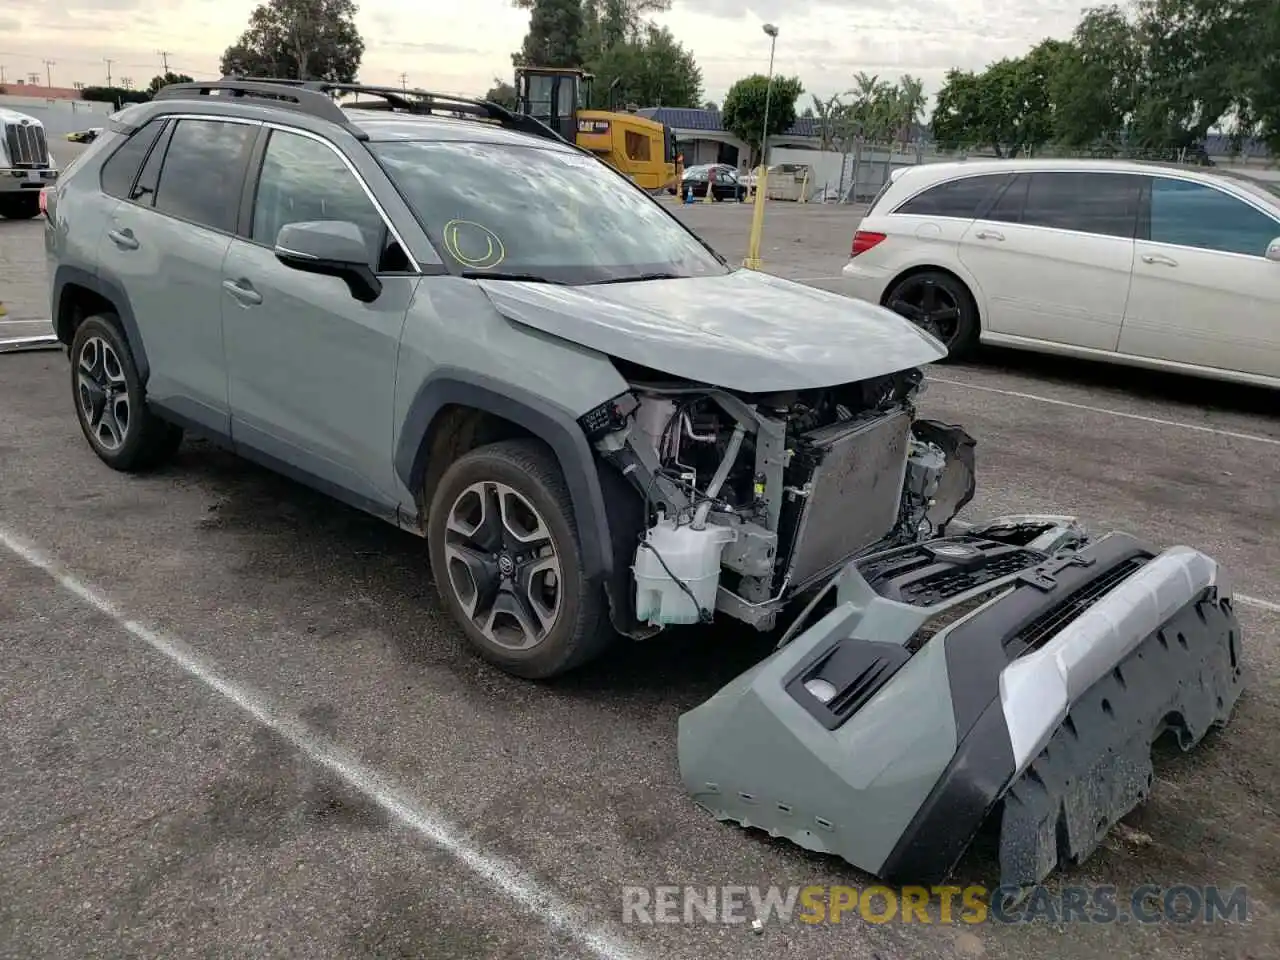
pixel 554 425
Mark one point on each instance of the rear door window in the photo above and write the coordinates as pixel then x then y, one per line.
pixel 1105 204
pixel 1194 215
pixel 203 173
pixel 965 198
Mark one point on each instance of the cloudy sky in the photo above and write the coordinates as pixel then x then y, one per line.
pixel 459 48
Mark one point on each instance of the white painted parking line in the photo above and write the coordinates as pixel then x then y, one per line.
pixel 1269 605
pixel 1253 438
pixel 506 877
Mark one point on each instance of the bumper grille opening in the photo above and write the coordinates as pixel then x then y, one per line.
pixel 924 578
pixel 1046 626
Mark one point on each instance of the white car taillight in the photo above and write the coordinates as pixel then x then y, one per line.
pixel 864 240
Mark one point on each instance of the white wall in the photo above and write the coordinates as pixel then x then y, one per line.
pixel 60 117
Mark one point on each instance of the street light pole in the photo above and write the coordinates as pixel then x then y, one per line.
pixel 752 262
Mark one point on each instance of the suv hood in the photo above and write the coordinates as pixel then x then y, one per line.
pixel 744 331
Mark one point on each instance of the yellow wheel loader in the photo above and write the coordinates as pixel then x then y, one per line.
pixel 644 150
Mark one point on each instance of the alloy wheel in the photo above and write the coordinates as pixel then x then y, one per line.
pixel 503 565
pixel 930 306
pixel 103 393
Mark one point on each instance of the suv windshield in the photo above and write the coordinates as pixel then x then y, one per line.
pixel 544 214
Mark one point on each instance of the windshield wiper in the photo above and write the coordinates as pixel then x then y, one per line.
pixel 498 275
pixel 645 276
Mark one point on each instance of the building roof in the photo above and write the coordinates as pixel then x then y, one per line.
pixel 16 88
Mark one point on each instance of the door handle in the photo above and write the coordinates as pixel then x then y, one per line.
pixel 1157 258
pixel 989 235
pixel 124 239
pixel 246 295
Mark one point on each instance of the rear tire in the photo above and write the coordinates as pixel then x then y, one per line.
pixel 939 304
pixel 21 207
pixel 506 560
pixel 110 401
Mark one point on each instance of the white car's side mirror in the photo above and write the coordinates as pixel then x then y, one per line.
pixel 1273 250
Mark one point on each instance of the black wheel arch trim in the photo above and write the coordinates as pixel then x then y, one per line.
pixel 983 765
pixel 554 425
pixel 110 291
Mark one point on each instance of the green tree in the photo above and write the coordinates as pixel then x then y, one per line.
pixel 163 80
pixel 556 36
pixel 502 93
pixel 1260 80
pixel 1008 107
pixel 911 103
pixel 609 23
pixel 651 69
pixel 744 108
pixel 1095 88
pixel 300 40
pixel 827 113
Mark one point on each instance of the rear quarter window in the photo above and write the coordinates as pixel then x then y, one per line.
pixel 121 168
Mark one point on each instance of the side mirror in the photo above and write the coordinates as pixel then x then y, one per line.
pixel 333 248
pixel 1273 250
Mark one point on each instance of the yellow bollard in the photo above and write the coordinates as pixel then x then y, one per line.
pixel 752 261
pixel 3 311
pixel 804 187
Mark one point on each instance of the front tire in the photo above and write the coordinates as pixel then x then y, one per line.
pixel 941 305
pixel 506 560
pixel 111 404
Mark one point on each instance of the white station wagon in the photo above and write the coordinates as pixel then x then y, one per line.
pixel 1154 266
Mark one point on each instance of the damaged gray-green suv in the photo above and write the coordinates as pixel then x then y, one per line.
pixel 444 314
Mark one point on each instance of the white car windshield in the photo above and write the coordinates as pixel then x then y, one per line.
pixel 535 213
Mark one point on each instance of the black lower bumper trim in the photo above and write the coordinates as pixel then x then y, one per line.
pixel 1185 678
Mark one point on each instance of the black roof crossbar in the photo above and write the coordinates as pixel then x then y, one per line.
pixel 316 98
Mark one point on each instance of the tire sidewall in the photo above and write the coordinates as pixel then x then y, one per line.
pixel 558 646
pixel 104 327
pixel 19 207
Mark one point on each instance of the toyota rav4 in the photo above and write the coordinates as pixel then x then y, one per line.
pixel 444 314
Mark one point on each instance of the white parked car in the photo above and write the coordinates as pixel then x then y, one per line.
pixel 1148 265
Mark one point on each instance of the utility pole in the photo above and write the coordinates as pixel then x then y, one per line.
pixel 164 58
pixel 48 71
pixel 1 73
pixel 404 82
pixel 109 63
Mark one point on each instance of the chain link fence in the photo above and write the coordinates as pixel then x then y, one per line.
pixel 857 174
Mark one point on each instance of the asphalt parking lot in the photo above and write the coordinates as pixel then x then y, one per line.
pixel 234 721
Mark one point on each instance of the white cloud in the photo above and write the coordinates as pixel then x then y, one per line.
pixel 460 48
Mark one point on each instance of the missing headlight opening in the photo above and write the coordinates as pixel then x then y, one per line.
pixel 752 499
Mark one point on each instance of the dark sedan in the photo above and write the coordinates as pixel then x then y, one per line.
pixel 723 180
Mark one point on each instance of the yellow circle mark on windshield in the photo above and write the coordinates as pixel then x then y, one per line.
pixel 484 248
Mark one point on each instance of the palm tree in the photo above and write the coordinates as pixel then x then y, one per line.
pixel 911 100
pixel 826 112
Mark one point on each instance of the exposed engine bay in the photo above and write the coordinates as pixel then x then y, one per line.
pixel 752 499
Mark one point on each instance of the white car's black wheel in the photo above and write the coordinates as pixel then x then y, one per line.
pixel 110 403
pixel 507 563
pixel 941 305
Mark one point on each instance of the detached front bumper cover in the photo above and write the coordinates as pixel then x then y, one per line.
pixel 1016 666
